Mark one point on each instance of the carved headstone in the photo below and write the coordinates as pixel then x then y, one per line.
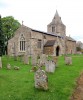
pixel 41 80
pixel 50 66
pixel 0 63
pixel 68 60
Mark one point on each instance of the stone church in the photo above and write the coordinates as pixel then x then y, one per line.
pixel 53 42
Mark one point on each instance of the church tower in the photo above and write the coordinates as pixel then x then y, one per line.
pixel 56 26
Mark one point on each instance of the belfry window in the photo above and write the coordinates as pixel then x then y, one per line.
pixel 22 43
pixel 53 29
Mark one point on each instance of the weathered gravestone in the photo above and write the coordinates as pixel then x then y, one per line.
pixel 26 59
pixel 0 63
pixel 55 59
pixel 42 60
pixel 41 79
pixel 50 66
pixel 16 68
pixel 8 66
pixel 68 60
pixel 40 63
pixel 34 60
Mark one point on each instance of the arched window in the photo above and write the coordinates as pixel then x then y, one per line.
pixel 22 43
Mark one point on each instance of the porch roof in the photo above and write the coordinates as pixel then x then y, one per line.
pixel 49 43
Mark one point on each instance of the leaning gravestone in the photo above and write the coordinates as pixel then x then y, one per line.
pixel 0 63
pixel 41 80
pixel 50 66
pixel 68 60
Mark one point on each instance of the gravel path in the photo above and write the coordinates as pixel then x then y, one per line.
pixel 78 93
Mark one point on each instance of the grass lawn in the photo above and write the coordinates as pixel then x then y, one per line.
pixel 19 84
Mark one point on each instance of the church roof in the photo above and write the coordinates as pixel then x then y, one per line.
pixel 56 19
pixel 49 43
pixel 56 14
pixel 70 39
pixel 55 35
pixel 46 33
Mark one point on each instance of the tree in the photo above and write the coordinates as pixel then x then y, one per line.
pixel 78 48
pixel 2 39
pixel 10 25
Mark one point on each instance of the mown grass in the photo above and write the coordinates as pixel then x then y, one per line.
pixel 19 84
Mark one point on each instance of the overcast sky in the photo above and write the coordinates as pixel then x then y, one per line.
pixel 37 14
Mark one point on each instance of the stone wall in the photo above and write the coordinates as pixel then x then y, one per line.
pixel 49 50
pixel 60 28
pixel 70 47
pixel 14 43
pixel 35 37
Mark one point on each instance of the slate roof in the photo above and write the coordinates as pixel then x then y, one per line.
pixel 46 33
pixel 49 43
pixel 70 39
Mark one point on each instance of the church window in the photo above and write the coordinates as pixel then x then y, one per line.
pixel 22 43
pixel 53 29
pixel 39 43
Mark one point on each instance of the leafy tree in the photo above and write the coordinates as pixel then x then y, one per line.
pixel 78 48
pixel 10 25
pixel 2 39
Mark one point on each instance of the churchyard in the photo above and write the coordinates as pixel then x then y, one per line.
pixel 17 81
